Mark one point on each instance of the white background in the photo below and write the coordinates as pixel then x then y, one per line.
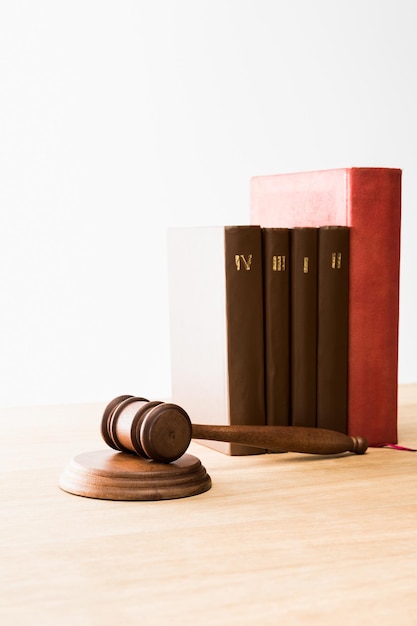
pixel 121 118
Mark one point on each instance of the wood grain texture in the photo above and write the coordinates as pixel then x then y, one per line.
pixel 285 537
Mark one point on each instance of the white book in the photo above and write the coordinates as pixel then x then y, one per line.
pixel 216 326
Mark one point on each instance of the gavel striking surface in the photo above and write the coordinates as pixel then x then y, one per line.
pixel 109 475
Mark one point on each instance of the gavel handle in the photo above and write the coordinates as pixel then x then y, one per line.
pixel 283 438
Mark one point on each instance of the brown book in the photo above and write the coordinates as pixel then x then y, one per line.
pixel 216 321
pixel 332 338
pixel 303 326
pixel 276 251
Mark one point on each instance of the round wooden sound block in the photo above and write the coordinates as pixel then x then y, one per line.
pixel 110 475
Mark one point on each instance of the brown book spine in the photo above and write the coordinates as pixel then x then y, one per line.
pixel 276 256
pixel 245 328
pixel 303 326
pixel 333 319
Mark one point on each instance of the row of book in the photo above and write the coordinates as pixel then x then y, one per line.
pixel 280 314
pixel 286 321
pixel 305 289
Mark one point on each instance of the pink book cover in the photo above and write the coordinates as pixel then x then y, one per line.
pixel 368 200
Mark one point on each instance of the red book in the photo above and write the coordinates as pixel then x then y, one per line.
pixel 368 200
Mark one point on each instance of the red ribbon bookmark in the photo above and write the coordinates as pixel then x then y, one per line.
pixel 395 446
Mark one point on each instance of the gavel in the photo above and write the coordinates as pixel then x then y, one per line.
pixel 162 431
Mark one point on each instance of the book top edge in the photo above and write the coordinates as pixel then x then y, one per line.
pixel 337 170
pixel 215 227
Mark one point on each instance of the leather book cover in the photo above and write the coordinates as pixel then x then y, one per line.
pixel 276 251
pixel 216 326
pixel 368 200
pixel 303 326
pixel 332 327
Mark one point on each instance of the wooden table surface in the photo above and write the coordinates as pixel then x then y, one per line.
pixel 305 539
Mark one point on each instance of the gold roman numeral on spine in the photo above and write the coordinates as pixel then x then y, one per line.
pixel 305 264
pixel 242 262
pixel 279 263
pixel 336 260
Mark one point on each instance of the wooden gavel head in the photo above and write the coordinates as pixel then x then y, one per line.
pixel 154 430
